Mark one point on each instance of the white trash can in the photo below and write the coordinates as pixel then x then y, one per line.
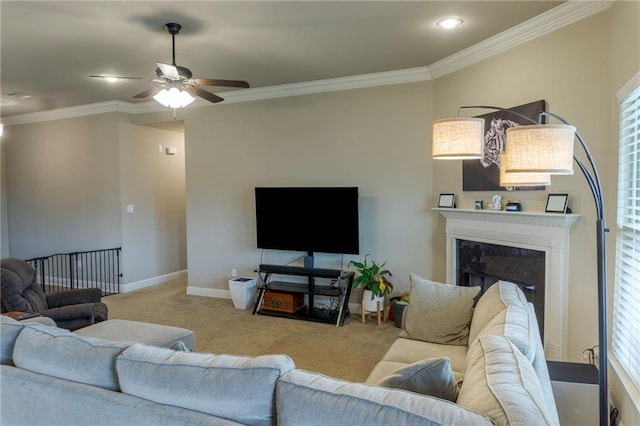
pixel 243 292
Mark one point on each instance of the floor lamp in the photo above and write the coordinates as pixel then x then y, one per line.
pixel 534 152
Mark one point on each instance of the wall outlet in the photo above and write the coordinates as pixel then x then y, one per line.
pixel 234 273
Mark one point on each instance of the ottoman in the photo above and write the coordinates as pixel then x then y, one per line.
pixel 140 332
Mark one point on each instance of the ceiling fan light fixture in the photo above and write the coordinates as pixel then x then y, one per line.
pixel 174 98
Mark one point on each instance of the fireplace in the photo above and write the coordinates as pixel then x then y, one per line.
pixel 543 237
pixel 482 264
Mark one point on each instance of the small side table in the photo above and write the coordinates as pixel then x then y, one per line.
pixel 575 390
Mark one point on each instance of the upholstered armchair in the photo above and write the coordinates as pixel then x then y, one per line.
pixel 71 309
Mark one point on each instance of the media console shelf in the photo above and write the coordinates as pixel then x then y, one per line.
pixel 339 288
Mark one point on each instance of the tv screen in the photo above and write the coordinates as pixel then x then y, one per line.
pixel 321 220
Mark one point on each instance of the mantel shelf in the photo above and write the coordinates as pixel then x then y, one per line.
pixel 525 218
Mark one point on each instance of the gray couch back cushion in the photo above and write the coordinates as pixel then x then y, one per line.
pixel 497 298
pixel 59 353
pixel 311 399
pixel 9 331
pixel 237 388
pixel 501 383
pixel 58 402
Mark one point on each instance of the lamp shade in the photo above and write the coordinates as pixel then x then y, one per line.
pixel 521 179
pixel 541 148
pixel 460 138
pixel 174 98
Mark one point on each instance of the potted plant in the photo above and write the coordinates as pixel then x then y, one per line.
pixel 374 281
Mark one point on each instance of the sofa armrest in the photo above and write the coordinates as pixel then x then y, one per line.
pixel 72 317
pixel 74 297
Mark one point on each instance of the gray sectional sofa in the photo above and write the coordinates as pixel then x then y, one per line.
pixel 494 375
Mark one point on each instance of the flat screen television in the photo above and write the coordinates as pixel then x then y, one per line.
pixel 310 219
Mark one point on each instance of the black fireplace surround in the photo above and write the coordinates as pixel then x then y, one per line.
pixel 482 264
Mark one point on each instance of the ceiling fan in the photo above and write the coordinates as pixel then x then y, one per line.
pixel 175 84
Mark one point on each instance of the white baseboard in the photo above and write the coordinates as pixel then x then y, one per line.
pixel 149 282
pixel 208 292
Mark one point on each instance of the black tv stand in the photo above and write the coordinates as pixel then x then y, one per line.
pixel 339 289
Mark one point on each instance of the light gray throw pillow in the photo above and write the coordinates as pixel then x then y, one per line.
pixel 431 376
pixel 438 313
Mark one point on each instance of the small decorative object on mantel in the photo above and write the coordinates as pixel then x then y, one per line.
pixel 479 204
pixel 513 206
pixel 447 201
pixel 557 203
pixel 496 202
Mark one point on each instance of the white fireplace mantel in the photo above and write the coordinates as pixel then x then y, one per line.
pixel 546 232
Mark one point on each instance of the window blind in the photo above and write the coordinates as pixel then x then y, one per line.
pixel 625 340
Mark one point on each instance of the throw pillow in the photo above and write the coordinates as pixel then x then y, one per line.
pixel 438 313
pixel 431 376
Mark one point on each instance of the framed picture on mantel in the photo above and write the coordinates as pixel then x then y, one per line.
pixel 557 203
pixel 447 201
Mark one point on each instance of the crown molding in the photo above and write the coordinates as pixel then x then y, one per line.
pixel 545 23
pixel 409 75
pixel 71 112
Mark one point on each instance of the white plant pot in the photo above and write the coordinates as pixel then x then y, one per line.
pixel 369 304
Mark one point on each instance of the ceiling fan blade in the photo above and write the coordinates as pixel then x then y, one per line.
pixel 170 71
pixel 204 94
pixel 217 82
pixel 119 77
pixel 149 92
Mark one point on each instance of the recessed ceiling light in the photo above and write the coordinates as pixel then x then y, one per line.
pixel 112 79
pixel 449 23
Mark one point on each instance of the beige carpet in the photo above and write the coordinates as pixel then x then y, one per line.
pixel 348 352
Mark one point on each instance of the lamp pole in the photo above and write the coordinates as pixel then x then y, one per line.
pixel 593 179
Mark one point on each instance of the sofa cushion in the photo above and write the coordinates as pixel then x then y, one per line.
pixel 501 383
pixel 237 388
pixel 9 331
pixel 497 297
pixel 438 313
pixel 59 353
pixel 309 399
pixel 408 351
pixel 515 323
pixel 140 332
pixel 431 376
pixel 59 402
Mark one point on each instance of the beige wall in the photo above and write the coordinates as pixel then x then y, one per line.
pixel 371 138
pixel 68 183
pixel 154 235
pixel 63 185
